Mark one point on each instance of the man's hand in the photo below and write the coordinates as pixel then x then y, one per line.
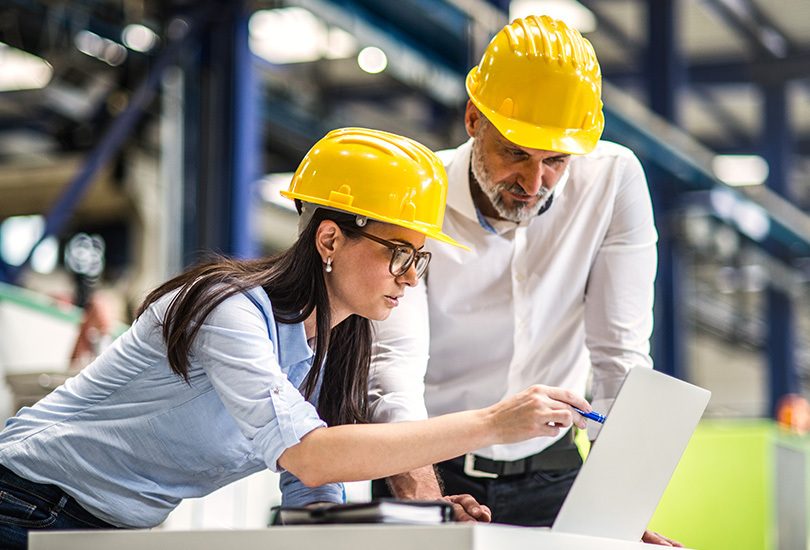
pixel 651 537
pixel 466 508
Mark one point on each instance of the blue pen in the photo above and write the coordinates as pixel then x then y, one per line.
pixel 595 416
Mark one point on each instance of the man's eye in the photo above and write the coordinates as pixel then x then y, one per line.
pixel 556 160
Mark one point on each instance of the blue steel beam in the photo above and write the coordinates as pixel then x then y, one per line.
pixel 801 146
pixel 781 322
pixel 223 149
pixel 116 134
pixel 665 67
pixel 758 32
pixel 245 141
pixel 734 71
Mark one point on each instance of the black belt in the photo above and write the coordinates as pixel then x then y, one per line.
pixel 561 455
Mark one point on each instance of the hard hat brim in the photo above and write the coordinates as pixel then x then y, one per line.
pixel 573 141
pixel 425 229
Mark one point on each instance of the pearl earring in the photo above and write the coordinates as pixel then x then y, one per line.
pixel 328 267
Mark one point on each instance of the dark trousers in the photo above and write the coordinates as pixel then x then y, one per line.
pixel 25 505
pixel 532 498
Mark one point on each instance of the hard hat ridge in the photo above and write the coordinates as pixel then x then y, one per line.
pixel 540 84
pixel 377 175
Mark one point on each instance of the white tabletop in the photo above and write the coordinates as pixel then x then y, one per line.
pixel 452 536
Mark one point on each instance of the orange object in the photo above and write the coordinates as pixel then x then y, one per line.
pixel 793 413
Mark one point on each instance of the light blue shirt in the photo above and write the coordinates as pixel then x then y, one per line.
pixel 129 439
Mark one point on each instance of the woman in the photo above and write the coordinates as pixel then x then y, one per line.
pixel 236 366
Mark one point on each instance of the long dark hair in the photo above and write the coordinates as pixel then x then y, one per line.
pixel 294 281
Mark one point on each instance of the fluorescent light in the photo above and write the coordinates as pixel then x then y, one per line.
pixel 723 201
pixel 752 220
pixel 270 187
pixel 296 35
pixel 749 218
pixel 740 170
pixel 22 71
pixel 114 53
pixel 572 12
pixel 341 44
pixel 288 35
pixel 106 50
pixel 372 60
pixel 139 38
pixel 46 256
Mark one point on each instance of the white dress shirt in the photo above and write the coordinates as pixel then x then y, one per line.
pixel 548 301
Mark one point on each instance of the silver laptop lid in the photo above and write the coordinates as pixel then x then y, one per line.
pixel 630 464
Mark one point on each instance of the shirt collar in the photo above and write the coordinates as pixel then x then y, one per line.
pixel 292 347
pixel 292 344
pixel 458 194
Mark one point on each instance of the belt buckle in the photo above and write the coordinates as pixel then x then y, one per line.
pixel 469 468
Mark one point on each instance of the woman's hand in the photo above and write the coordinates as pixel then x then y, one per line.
pixel 536 411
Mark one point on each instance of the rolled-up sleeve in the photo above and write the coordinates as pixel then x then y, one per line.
pixel 295 493
pixel 237 355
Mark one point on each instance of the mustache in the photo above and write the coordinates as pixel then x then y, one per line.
pixel 518 190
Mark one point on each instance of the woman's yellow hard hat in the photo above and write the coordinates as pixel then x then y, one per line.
pixel 540 85
pixel 378 175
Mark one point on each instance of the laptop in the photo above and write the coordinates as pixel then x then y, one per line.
pixel 630 464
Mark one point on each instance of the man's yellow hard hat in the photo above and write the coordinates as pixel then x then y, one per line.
pixel 378 175
pixel 540 84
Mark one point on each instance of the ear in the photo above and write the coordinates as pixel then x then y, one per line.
pixel 472 117
pixel 328 239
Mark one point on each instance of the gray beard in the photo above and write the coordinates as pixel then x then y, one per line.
pixel 518 212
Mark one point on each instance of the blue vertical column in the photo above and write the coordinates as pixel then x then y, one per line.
pixel 245 138
pixel 193 168
pixel 665 75
pixel 777 148
pixel 223 153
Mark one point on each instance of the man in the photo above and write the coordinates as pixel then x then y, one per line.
pixel 558 286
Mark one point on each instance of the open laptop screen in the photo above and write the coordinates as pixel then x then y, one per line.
pixel 630 464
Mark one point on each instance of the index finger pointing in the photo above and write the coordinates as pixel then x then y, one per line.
pixel 569 398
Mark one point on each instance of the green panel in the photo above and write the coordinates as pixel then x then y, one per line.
pixel 722 492
pixel 48 306
pixel 39 302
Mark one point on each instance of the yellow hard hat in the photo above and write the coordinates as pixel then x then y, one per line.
pixel 539 83
pixel 378 175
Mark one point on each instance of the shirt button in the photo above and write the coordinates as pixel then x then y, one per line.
pixel 276 390
pixel 520 278
pixel 220 469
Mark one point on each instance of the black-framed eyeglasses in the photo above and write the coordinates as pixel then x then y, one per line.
pixel 402 255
